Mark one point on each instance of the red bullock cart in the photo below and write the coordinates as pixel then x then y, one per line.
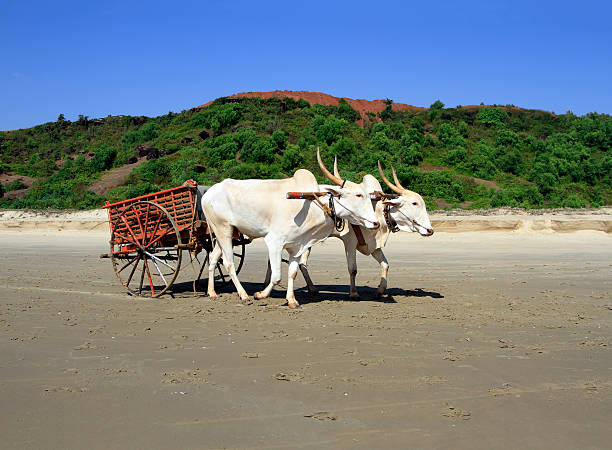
pixel 149 233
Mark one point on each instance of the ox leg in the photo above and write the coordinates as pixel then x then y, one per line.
pixel 303 264
pixel 384 267
pixel 213 258
pixel 291 274
pixel 228 262
pixel 268 274
pixel 351 261
pixel 274 262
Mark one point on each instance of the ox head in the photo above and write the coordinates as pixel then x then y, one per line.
pixel 408 209
pixel 351 200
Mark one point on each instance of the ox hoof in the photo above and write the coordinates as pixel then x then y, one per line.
pixel 246 301
pixel 244 297
pixel 379 294
pixel 259 296
pixel 294 305
pixel 354 296
pixel 213 295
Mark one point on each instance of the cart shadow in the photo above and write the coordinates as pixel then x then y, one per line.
pixel 327 292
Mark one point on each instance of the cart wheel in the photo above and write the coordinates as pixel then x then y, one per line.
pixel 142 249
pixel 220 274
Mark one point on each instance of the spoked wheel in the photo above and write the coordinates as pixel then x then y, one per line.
pixel 220 274
pixel 142 249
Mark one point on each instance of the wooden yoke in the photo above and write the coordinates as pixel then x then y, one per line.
pixel 305 195
pixel 311 196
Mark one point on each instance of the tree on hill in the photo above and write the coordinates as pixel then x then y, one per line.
pixel 346 112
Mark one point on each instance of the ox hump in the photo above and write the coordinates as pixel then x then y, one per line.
pixel 303 175
pixel 371 183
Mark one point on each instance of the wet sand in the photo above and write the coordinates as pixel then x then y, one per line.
pixel 485 340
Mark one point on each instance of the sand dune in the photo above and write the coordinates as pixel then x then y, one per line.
pixel 451 221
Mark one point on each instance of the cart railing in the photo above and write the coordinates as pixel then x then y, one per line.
pixel 179 202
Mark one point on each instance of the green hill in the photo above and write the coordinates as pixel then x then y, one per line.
pixel 472 157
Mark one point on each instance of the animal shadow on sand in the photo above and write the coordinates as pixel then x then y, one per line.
pixel 327 292
pixel 340 292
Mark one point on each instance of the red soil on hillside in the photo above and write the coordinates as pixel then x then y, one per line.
pixel 361 106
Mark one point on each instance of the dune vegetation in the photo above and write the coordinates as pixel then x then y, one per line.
pixel 470 157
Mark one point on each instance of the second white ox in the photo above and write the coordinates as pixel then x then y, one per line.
pixel 259 208
pixel 405 212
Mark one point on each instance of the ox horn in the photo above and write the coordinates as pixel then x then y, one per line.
pixel 397 183
pixel 393 187
pixel 336 179
pixel 336 173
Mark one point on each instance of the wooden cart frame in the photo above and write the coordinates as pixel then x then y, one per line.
pixel 149 233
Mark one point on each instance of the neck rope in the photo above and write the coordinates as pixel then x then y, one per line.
pixel 391 223
pixel 338 222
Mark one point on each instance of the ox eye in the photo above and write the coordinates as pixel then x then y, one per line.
pixel 415 204
pixel 359 195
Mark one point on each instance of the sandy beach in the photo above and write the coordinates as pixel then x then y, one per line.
pixel 496 338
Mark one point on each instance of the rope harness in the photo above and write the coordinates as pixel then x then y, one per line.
pixel 329 209
pixel 391 223
pixel 338 223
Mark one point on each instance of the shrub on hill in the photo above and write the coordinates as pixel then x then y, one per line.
pixel 103 158
pixel 492 116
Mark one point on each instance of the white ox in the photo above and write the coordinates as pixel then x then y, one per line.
pixel 259 208
pixel 406 212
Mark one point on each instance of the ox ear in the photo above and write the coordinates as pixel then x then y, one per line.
pixel 333 190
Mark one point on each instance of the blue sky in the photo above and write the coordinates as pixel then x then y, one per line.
pixel 148 58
